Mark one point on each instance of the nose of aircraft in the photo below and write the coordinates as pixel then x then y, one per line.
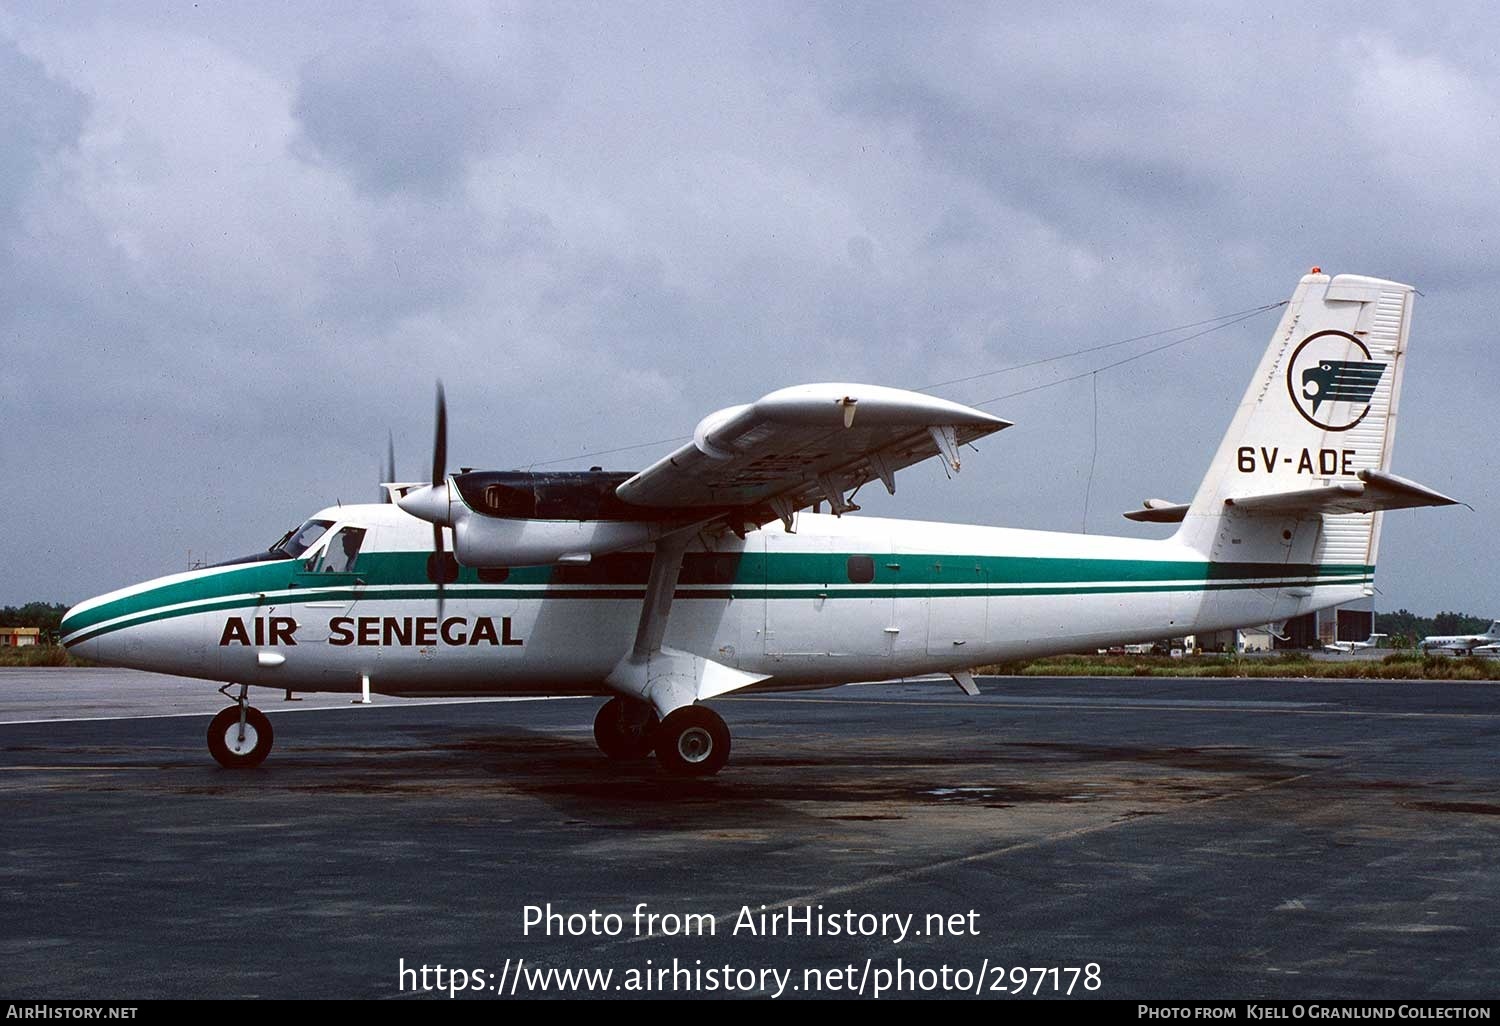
pixel 75 636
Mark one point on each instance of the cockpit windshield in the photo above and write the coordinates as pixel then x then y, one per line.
pixel 294 543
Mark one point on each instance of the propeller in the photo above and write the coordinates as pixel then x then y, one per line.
pixel 433 503
pixel 440 439
pixel 439 475
pixel 390 467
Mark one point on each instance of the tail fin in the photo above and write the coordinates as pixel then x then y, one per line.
pixel 1320 409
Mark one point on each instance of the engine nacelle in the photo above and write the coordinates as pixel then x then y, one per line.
pixel 515 518
pixel 491 541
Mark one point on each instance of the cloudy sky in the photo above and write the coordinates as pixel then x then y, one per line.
pixel 240 242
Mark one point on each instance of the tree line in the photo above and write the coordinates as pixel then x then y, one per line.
pixel 1406 628
pixel 46 615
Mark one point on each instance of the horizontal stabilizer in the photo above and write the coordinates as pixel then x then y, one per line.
pixel 1158 511
pixel 1373 491
pixel 397 489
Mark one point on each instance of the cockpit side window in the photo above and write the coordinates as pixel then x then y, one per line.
pixel 339 556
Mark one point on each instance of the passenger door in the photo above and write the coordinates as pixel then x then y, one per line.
pixel 330 575
pixel 823 601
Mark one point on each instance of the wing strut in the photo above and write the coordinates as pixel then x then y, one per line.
pixel 661 586
pixel 654 672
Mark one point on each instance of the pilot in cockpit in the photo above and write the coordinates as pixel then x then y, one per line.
pixel 341 560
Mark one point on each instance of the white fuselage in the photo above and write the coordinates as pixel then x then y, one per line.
pixel 1458 644
pixel 841 600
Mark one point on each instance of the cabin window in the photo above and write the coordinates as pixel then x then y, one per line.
pixel 861 569
pixel 342 551
pixel 442 568
pixel 493 574
pixel 710 567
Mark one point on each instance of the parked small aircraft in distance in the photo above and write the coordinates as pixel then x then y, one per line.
pixel 1373 641
pixel 706 573
pixel 1462 644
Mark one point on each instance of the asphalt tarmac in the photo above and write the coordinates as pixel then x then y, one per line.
pixel 1189 838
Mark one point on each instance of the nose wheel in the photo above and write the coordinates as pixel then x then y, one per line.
pixel 240 736
pixel 692 742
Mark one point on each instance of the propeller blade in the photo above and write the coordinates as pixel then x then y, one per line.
pixel 390 463
pixel 439 474
pixel 440 564
pixel 440 440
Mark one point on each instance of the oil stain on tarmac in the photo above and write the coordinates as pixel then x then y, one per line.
pixel 1193 838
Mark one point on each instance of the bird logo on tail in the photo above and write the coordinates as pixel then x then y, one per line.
pixel 1350 381
pixel 1332 380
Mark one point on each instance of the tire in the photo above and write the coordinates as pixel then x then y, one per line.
pixel 692 742
pixel 625 729
pixel 223 738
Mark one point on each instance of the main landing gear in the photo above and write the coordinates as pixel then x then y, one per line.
pixel 240 736
pixel 625 729
pixel 692 741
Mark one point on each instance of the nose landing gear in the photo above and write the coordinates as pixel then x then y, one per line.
pixel 240 736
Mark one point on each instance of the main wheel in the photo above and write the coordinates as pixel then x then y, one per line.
pixel 232 751
pixel 692 742
pixel 625 729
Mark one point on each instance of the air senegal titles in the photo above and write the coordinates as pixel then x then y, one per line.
pixel 422 631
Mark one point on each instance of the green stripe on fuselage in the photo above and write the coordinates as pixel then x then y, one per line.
pixel 706 575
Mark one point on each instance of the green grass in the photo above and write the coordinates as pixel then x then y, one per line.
pixel 1400 666
pixel 39 655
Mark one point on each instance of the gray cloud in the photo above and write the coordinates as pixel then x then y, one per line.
pixel 397 117
pixel 243 244
pixel 39 118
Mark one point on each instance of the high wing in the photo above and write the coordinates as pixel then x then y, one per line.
pixel 745 465
pixel 805 444
pixel 786 451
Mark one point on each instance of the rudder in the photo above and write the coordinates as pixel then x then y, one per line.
pixel 1320 409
